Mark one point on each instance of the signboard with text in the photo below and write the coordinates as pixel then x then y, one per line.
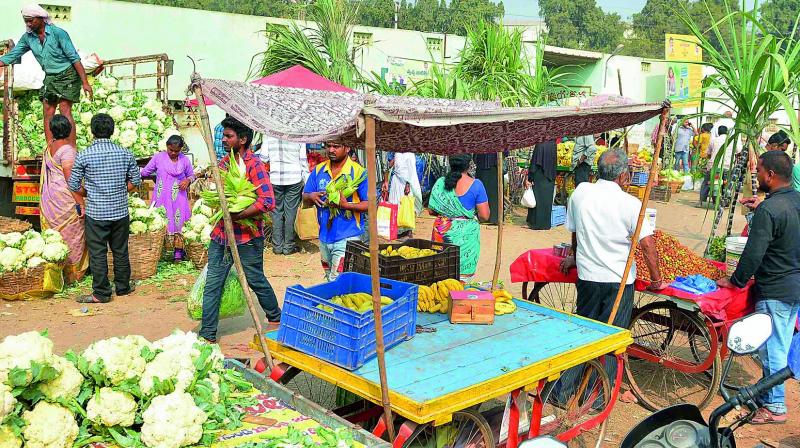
pixel 684 79
pixel 25 192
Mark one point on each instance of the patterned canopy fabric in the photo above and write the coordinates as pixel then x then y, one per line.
pixel 412 124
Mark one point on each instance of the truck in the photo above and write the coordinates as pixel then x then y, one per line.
pixel 19 177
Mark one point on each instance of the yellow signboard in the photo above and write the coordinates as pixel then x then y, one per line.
pixel 684 79
pixel 25 192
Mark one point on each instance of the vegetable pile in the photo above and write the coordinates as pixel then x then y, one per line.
pixel 240 194
pixel 343 187
pixel 141 123
pixel 125 391
pixel 716 250
pixel 145 218
pixel 671 175
pixel 30 249
pixel 675 260
pixel 294 438
pixel 198 228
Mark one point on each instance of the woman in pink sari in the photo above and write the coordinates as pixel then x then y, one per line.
pixel 174 174
pixel 57 202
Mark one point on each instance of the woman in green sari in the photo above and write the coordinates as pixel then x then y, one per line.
pixel 459 201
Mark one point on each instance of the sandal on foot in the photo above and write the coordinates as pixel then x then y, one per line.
pixel 764 416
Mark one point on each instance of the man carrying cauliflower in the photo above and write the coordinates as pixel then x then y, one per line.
pixel 250 240
pixel 104 173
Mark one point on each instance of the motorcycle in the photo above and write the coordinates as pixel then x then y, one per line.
pixel 683 426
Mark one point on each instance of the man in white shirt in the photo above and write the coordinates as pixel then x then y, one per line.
pixel 602 219
pixel 288 171
pixel 726 120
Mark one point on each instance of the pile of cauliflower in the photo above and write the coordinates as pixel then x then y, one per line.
pixel 198 228
pixel 126 391
pixel 145 218
pixel 30 249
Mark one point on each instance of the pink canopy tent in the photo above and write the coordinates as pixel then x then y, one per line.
pixel 297 76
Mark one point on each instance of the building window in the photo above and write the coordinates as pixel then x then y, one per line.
pixel 434 44
pixel 646 67
pixel 61 13
pixel 362 39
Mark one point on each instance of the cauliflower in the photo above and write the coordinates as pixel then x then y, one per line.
pixel 13 239
pixel 34 261
pixel 11 259
pixel 117 113
pixel 138 227
pixel 8 439
pixel 129 125
pixel 86 118
pixel 143 214
pixel 205 234
pixel 67 384
pixel 101 93
pixel 144 139
pixel 198 222
pixel 49 426
pixel 7 401
pixel 178 340
pixel 143 121
pixel 190 235
pixel 122 359
pixel 172 421
pixel 157 126
pixel 172 365
pixel 33 247
pixel 52 236
pixel 136 202
pixel 108 82
pixel 55 252
pixel 19 351
pixel 157 223
pixel 128 138
pixel 111 408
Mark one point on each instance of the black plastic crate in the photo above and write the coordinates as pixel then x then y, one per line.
pixel 660 194
pixel 421 271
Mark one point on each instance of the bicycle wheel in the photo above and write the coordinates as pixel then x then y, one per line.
pixel 561 296
pixel 467 429
pixel 319 391
pixel 745 370
pixel 671 334
pixel 562 412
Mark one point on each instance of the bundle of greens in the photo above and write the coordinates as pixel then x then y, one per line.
pixel 325 438
pixel 240 194
pixel 343 187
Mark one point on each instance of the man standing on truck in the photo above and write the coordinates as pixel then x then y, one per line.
pixel 63 72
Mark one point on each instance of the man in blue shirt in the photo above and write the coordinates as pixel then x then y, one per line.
pixel 335 229
pixel 63 72
pixel 683 139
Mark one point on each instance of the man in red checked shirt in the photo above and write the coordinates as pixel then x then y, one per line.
pixel 237 138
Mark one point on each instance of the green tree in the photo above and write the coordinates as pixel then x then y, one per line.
pixel 581 24
pixel 463 14
pixel 378 13
pixel 649 26
pixel 781 16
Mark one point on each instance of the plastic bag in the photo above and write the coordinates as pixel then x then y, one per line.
pixel 52 282
pixel 387 221
pixel 406 217
pixel 306 225
pixel 528 199
pixel 232 304
pixel 688 183
pixel 696 284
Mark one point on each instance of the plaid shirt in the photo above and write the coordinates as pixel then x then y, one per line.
pixel 105 169
pixel 219 148
pixel 257 174
pixel 288 163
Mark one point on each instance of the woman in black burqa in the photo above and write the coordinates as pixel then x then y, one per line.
pixel 542 175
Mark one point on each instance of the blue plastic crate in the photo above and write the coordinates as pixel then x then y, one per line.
pixel 346 338
pixel 640 178
pixel 558 215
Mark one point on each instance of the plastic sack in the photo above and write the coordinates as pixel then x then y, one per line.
pixel 306 225
pixel 387 221
pixel 232 304
pixel 528 199
pixel 52 282
pixel 406 217
pixel 695 284
pixel 688 183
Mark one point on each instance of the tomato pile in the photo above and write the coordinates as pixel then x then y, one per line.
pixel 675 260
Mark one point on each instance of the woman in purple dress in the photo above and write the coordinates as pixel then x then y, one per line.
pixel 174 173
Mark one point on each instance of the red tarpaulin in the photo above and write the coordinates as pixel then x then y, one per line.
pixel 297 76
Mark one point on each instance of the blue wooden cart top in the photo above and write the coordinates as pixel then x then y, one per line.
pixel 457 366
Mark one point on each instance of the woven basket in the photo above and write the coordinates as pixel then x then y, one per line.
pixel 197 253
pixel 144 251
pixel 13 283
pixel 674 186
pixel 8 225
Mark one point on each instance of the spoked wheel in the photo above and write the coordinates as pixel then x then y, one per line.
pixel 468 429
pixel 561 296
pixel 319 391
pixel 671 334
pixel 745 370
pixel 563 411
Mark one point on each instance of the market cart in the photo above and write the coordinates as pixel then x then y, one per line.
pixel 678 338
pixel 445 382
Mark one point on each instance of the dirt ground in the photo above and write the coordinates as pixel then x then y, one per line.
pixel 156 309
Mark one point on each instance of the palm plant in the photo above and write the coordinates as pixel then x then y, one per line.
pixel 542 81
pixel 444 83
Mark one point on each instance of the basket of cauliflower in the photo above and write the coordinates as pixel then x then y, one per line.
pixel 146 240
pixel 25 258
pixel 197 233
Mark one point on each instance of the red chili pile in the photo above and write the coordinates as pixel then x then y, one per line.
pixel 675 260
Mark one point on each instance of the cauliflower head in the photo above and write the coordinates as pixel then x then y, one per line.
pixel 7 401
pixel 19 351
pixel 136 202
pixel 52 236
pixel 67 384
pixel 111 408
pixel 172 421
pixel 122 359
pixel 13 239
pixel 34 261
pixel 11 259
pixel 173 365
pixel 157 223
pixel 197 222
pixel 55 252
pixel 8 439
pixel 33 247
pixel 49 426
pixel 138 227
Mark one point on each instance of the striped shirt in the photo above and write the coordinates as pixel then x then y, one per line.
pixel 104 169
pixel 288 164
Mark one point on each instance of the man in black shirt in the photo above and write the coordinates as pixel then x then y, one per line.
pixel 772 254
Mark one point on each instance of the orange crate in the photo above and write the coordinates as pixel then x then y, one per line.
pixel 471 307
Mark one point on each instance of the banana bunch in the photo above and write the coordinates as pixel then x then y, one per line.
pixel 436 298
pixel 503 303
pixel 359 302
pixel 407 252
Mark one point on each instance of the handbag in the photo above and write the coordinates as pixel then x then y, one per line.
pixel 306 225
pixel 528 199
pixel 406 217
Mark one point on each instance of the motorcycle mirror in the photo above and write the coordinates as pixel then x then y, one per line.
pixel 749 333
pixel 794 356
pixel 542 442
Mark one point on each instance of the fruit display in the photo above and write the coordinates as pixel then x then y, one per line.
pixel 564 153
pixel 436 298
pixel 406 252
pixel 359 302
pixel 643 158
pixel 503 302
pixel 675 260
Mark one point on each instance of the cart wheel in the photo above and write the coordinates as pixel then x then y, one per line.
pixel 671 334
pixel 561 414
pixel 468 429
pixel 319 391
pixel 561 296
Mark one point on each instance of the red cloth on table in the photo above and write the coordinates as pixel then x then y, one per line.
pixel 541 265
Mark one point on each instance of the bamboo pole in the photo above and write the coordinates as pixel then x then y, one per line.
pixel 372 216
pixel 501 199
pixel 635 238
pixel 228 223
